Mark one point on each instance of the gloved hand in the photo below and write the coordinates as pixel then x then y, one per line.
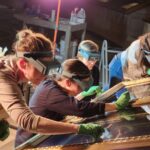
pixel 94 130
pixel 4 130
pixel 122 101
pixel 91 91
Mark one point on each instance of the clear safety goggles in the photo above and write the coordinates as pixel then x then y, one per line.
pixel 84 81
pixel 91 56
pixel 42 66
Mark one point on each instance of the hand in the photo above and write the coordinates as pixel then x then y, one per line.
pixel 94 130
pixel 91 91
pixel 122 101
pixel 4 130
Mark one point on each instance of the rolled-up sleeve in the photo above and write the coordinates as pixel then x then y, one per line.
pixel 12 101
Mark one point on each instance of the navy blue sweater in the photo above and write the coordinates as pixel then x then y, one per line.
pixel 51 101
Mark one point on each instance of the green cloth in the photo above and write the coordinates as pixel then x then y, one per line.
pixel 94 130
pixel 148 71
pixel 91 91
pixel 4 130
pixel 122 101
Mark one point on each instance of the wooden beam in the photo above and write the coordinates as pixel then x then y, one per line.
pixel 119 86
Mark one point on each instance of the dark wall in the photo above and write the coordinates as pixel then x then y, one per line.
pixel 107 21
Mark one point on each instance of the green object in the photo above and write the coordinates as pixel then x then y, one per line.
pixel 148 71
pixel 4 130
pixel 91 91
pixel 127 115
pixel 99 92
pixel 123 101
pixel 94 130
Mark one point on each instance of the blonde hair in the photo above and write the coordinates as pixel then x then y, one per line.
pixel 87 45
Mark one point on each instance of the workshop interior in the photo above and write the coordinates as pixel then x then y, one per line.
pixel 109 86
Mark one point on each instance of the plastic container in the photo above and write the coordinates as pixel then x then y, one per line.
pixel 53 13
pixel 62 47
pixel 73 18
pixel 81 16
pixel 73 48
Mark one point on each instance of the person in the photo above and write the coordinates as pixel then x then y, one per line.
pixel 116 73
pixel 137 65
pixel 54 97
pixel 89 54
pixel 134 64
pixel 31 62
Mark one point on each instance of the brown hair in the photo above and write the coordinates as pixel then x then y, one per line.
pixel 76 67
pixel 29 41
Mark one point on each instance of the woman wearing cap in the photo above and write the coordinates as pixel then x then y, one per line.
pixel 53 98
pixel 33 53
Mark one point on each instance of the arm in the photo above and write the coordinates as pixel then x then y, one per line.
pixel 47 126
pixel 110 107
pixel 50 97
pixel 66 105
pixel 12 101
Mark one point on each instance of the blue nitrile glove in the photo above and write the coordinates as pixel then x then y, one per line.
pixel 94 130
pixel 91 91
pixel 4 130
pixel 122 101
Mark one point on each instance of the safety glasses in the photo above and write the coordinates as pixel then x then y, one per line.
pixel 91 56
pixel 84 81
pixel 41 65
